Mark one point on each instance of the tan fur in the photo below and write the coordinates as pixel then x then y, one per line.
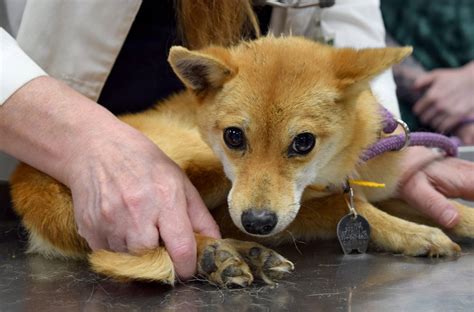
pixel 150 265
pixel 273 89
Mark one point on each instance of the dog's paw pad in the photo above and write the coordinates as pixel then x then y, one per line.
pixel 223 266
pixel 266 264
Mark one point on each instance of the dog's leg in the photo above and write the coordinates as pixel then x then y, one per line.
pixel 393 234
pixel 318 218
pixel 150 265
pixel 464 229
pixel 45 206
pixel 223 262
pixel 207 175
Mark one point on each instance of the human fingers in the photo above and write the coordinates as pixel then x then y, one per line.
pixel 199 215
pixel 95 240
pixel 466 134
pixel 424 103
pixel 85 221
pixel 117 243
pixel 447 123
pixel 436 120
pixel 424 81
pixel 146 238
pixel 420 194
pixel 453 177
pixel 177 232
pixel 428 115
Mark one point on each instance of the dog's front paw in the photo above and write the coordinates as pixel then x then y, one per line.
pixel 223 266
pixel 265 263
pixel 431 242
pixel 465 227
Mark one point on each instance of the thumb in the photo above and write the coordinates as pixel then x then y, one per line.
pixel 420 194
pixel 453 177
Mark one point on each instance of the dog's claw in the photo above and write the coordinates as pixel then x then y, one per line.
pixel 230 262
pixel 431 242
pixel 275 267
pixel 265 263
pixel 222 265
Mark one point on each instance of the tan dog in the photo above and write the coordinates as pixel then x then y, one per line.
pixel 261 131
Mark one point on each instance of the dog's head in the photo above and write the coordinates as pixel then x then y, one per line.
pixel 281 114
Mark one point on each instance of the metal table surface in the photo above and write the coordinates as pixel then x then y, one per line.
pixel 324 280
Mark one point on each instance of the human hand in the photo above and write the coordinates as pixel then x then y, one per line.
pixel 466 134
pixel 448 98
pixel 429 180
pixel 127 193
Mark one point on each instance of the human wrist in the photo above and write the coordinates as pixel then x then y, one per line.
pixel 44 121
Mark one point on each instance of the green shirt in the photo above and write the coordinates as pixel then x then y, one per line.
pixel 441 31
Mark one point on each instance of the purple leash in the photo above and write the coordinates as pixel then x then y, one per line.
pixel 399 141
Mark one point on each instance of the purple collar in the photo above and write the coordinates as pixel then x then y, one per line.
pixel 399 141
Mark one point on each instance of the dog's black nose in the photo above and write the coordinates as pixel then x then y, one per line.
pixel 259 221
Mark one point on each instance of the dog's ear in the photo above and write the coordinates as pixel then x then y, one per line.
pixel 353 67
pixel 202 70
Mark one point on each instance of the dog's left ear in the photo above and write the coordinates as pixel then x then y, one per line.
pixel 355 67
pixel 202 70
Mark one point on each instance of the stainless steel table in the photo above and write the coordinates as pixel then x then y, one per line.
pixel 324 280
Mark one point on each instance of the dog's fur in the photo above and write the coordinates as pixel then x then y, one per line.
pixel 273 89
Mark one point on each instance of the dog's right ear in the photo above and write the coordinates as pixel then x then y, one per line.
pixel 355 67
pixel 202 70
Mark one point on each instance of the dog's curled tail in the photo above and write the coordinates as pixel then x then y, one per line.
pixel 150 265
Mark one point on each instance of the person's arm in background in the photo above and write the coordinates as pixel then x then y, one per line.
pixel 448 101
pixel 427 182
pixel 115 173
pixel 441 98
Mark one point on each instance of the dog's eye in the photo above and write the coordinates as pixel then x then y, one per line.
pixel 234 138
pixel 302 144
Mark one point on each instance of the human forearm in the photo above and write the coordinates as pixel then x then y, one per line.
pixel 45 122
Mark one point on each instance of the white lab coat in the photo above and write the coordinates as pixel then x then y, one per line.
pixel 75 41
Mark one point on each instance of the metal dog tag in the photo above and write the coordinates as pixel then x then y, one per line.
pixel 353 232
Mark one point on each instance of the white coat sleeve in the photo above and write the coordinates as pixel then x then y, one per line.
pixel 77 41
pixel 16 68
pixel 355 24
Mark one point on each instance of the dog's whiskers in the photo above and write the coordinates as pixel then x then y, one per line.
pixel 294 242
pixel 307 207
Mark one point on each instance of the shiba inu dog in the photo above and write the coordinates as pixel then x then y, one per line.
pixel 262 130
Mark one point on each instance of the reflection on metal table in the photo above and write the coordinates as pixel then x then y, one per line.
pixel 324 280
